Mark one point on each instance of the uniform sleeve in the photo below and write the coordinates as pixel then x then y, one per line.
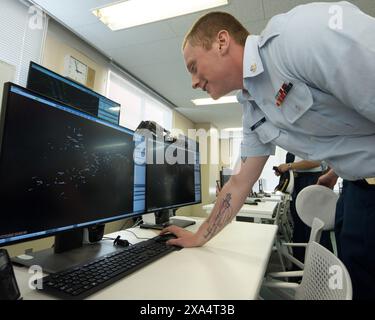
pixel 332 48
pixel 251 146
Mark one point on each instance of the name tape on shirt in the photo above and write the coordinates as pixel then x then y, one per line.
pixel 259 123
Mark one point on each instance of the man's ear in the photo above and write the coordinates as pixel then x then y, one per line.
pixel 223 40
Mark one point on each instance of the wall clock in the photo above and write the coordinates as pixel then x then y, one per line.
pixel 76 70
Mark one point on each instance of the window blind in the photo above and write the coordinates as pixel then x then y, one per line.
pixel 22 33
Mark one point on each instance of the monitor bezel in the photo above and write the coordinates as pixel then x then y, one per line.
pixel 53 232
pixel 72 81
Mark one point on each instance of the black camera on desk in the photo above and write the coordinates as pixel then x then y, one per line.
pixel 8 284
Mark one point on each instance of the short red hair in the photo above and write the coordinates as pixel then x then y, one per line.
pixel 206 28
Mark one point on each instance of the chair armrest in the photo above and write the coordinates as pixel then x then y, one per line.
pixel 291 244
pixel 285 274
pixel 293 260
pixel 280 284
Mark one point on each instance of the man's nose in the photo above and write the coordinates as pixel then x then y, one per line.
pixel 195 82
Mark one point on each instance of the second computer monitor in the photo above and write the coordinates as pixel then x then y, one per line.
pixel 67 91
pixel 173 178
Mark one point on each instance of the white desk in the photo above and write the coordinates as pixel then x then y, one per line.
pixel 230 266
pixel 274 212
pixel 275 198
pixel 264 210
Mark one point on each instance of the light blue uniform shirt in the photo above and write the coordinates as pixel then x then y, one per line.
pixel 329 114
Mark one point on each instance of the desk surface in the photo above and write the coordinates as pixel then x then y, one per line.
pixel 261 210
pixel 230 266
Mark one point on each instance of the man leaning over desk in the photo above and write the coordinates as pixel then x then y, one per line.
pixel 312 87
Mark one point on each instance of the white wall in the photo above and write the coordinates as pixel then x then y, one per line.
pixel 7 73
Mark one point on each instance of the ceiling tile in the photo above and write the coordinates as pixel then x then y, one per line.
pixel 171 79
pixel 273 7
pixel 109 40
pixel 255 27
pixel 181 25
pixel 248 10
pixel 148 53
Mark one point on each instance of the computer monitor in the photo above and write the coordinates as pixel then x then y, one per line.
pixel 74 94
pixel 173 179
pixel 62 170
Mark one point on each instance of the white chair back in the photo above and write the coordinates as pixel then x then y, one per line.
pixel 316 230
pixel 317 201
pixel 325 277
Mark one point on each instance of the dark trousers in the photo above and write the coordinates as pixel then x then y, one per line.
pixel 301 232
pixel 355 234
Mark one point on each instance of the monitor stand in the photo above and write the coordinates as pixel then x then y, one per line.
pixel 68 251
pixel 163 219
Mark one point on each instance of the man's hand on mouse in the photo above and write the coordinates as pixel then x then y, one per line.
pixel 185 238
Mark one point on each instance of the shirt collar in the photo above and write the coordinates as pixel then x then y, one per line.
pixel 252 63
pixel 243 96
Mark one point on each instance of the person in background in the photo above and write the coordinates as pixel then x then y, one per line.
pixel 289 157
pixel 306 173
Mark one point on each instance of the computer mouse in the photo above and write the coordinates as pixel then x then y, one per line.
pixel 165 237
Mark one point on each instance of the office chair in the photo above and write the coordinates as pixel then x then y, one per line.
pixel 313 202
pixel 316 231
pixel 324 277
pixel 320 202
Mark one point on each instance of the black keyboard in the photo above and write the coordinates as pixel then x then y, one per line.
pixel 82 281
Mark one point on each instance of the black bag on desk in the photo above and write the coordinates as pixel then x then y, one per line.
pixel 8 284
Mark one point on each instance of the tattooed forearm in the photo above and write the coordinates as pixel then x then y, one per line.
pixel 216 223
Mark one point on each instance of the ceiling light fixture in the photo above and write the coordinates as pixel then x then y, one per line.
pixel 209 101
pixel 132 13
